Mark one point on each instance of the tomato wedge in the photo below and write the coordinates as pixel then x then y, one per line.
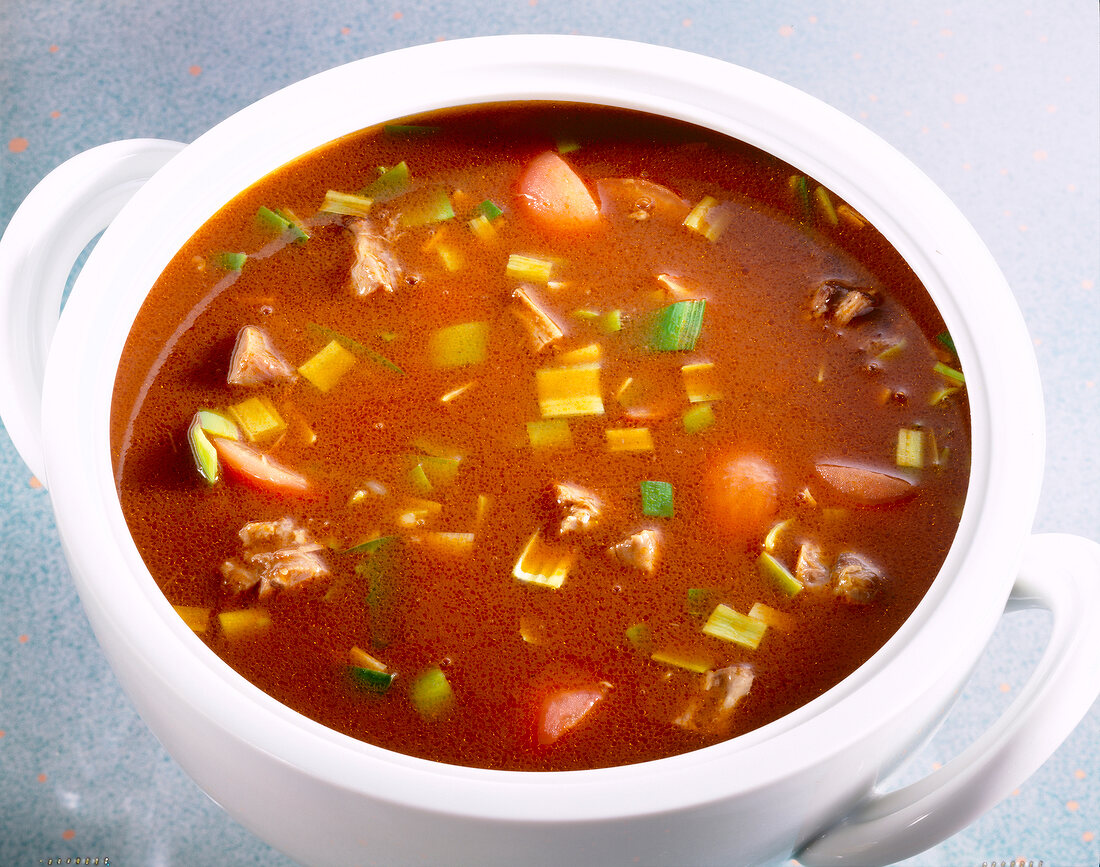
pixel 555 197
pixel 564 709
pixel 860 486
pixel 258 469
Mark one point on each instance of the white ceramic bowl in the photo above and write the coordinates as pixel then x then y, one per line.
pixel 805 783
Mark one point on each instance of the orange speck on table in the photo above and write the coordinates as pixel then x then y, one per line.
pixel 18 144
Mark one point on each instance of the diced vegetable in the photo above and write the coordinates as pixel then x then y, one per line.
pixel 348 204
pixel 357 347
pixel 698 601
pixel 244 622
pixel 862 486
pixel 529 268
pixel 640 637
pixel 328 366
pixel 730 625
pixel 569 391
pixel 587 354
pixel 563 710
pixel 370 679
pixel 196 617
pixel 488 209
pixel 417 513
pixel 800 190
pixel 203 451
pixel 425 207
pixel 392 182
pixel 440 469
pixel 410 130
pixel 381 571
pixel 950 373
pixel 676 326
pixel 258 418
pixel 657 499
pixel 947 341
pixel 258 469
pixel 825 206
pixel 460 345
pixel 282 221
pixel 708 218
pixel 773 535
pixel 431 694
pixel 361 659
pixel 455 544
pixel 542 563
pixel 700 382
pixel 419 479
pixel 629 439
pixel 910 449
pixel 483 228
pixel 231 261
pixel 772 617
pixel 778 574
pixel 680 660
pixel 552 195
pixel 549 433
pixel 698 418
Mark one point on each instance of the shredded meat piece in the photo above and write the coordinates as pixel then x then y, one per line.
pixel 375 266
pixel 711 709
pixel 277 555
pixel 573 508
pixel 255 361
pixel 854 580
pixel 841 303
pixel 641 551
pixel 543 330
pixel 810 567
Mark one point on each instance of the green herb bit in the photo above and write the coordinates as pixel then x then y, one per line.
pixel 949 373
pixel 698 417
pixel 946 340
pixel 370 546
pixel 677 326
pixel 567 144
pixel 231 261
pixel 371 680
pixel 657 499
pixel 410 130
pixel 698 601
pixel 730 625
pixel 778 574
pixel 488 209
pixel 355 346
pixel 390 183
pixel 801 192
pixel 431 694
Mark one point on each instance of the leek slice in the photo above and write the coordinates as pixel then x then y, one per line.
pixel 588 354
pixel 569 391
pixel 700 382
pixel 460 345
pixel 910 449
pixel 825 205
pixel 640 637
pixel 370 679
pixel 698 418
pixel 778 574
pixel 348 204
pixel 549 433
pixel 242 623
pixel 328 366
pixel 543 564
pixel 431 694
pixel 689 663
pixel 657 499
pixel 677 326
pixel 455 544
pixel 708 218
pixel 950 373
pixel 231 261
pixel 629 439
pixel 530 268
pixel 196 617
pixel 410 130
pixel 204 453
pixel 800 190
pixel 258 418
pixel 483 228
pixel 425 207
pixel 773 618
pixel 392 182
pixel 488 209
pixel 356 347
pixel 730 625
pixel 380 569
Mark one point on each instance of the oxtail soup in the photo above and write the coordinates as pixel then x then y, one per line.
pixel 540 436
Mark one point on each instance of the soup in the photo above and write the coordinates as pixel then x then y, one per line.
pixel 540 437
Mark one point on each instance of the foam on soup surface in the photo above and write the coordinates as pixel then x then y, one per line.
pixel 540 437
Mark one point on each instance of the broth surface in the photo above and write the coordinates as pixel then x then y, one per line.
pixel 476 480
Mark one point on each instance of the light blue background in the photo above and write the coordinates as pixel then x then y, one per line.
pixel 996 101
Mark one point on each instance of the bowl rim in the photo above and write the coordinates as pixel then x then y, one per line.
pixel 931 234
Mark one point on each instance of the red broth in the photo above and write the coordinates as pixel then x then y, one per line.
pixel 653 449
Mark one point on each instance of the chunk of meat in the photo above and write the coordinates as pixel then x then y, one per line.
pixel 375 267
pixel 639 199
pixel 257 468
pixel 541 328
pixel 255 361
pixel 277 555
pixel 563 710
pixel 553 195
pixel 710 709
pixel 742 496
pixel 855 580
pixel 860 486
pixel 810 567
pixel 841 303
pixel 639 551
pixel 573 509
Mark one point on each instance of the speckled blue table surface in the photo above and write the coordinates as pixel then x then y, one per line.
pixel 998 102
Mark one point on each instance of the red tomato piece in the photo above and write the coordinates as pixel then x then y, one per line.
pixel 555 197
pixel 258 469
pixel 564 709
pixel 861 486
pixel 742 495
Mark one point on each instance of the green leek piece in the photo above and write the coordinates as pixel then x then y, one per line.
pixel 425 207
pixel 206 456
pixel 328 366
pixel 281 221
pixel 542 563
pixel 231 261
pixel 941 394
pixel 460 345
pixel 419 480
pixel 530 268
pixel 629 439
pixel 891 351
pixel 356 347
pixel 440 469
pixel 946 340
pixel 348 204
pixel 640 637
pixel 569 391
pixel 244 622
pixel 667 657
pixel 216 424
pixel 370 546
pixel 910 450
pixel 698 601
pixel 676 327
pixel 657 499
pixel 949 373
pixel 700 382
pixel 391 182
pixel 825 205
pixel 431 694
pixel 698 418
pixel 380 569
pixel 258 418
pixel 450 256
pixel 778 574
pixel 566 145
pixel 708 218
pixel 730 625
pixel 488 209
pixel 371 680
pixel 410 130
pixel 549 433
pixel 801 192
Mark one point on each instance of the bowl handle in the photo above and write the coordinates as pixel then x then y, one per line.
pixel 1060 573
pixel 48 231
